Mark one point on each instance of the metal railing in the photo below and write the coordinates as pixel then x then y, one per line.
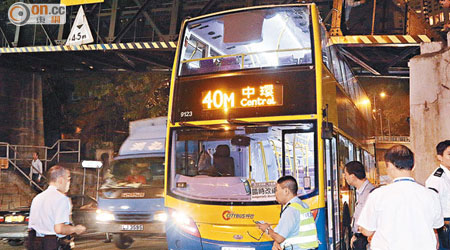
pixel 392 139
pixel 60 151
pixel 18 156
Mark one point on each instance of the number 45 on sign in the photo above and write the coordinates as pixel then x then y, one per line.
pixel 80 33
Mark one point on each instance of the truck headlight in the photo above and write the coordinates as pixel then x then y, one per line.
pixel 161 216
pixel 104 216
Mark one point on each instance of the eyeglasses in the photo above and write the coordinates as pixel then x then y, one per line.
pixel 255 237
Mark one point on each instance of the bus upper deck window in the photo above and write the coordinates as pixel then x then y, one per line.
pixel 243 27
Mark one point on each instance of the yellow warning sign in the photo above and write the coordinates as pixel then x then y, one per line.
pixel 4 163
pixel 78 2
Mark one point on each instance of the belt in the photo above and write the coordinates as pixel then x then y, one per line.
pixel 52 237
pixel 47 236
pixel 42 236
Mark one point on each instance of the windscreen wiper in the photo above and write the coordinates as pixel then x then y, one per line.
pixel 232 121
pixel 191 125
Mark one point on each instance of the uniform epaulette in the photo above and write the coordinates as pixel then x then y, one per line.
pixel 438 172
pixel 375 188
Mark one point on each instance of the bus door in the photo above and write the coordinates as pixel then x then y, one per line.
pixel 347 194
pixel 298 155
pixel 332 194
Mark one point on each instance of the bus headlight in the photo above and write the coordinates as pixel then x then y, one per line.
pixel 104 216
pixel 161 216
pixel 184 222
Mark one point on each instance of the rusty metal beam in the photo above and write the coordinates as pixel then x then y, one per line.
pixel 152 23
pixel 359 61
pixel 112 21
pixel 130 23
pixel 407 52
pixel 207 7
pixel 159 64
pixel 174 18
pixel 126 60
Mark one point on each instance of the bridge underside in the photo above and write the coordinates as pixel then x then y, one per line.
pixel 115 22
pixel 373 59
pixel 129 57
pixel 380 61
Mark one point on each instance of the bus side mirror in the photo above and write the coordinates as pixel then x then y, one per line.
pixel 327 130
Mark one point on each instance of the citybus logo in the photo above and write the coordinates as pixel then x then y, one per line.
pixel 227 215
pixel 22 13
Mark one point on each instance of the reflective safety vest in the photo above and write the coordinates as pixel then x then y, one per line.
pixel 307 235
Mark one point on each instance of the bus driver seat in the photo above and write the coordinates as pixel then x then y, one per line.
pixel 222 161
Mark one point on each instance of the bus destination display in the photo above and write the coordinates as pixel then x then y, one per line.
pixel 250 96
pixel 245 94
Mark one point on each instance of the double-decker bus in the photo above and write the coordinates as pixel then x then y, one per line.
pixel 256 94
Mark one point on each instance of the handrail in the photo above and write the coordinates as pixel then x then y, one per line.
pixel 245 54
pixel 29 163
pixel 25 175
pixel 14 159
pixel 63 140
pixel 387 138
pixel 49 148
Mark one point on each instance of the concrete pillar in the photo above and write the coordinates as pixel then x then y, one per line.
pixel 21 119
pixel 429 105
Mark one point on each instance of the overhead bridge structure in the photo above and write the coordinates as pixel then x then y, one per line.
pixel 369 54
pixel 132 56
pixel 141 35
pixel 380 55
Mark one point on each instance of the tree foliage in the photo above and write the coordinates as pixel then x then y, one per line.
pixel 102 105
pixel 392 111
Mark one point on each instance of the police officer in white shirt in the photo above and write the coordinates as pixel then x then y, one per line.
pixel 439 181
pixel 50 213
pixel 36 167
pixel 403 214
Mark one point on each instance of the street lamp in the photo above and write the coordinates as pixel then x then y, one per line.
pixel 382 95
pixel 378 111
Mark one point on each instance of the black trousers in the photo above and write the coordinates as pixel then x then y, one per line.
pixel 360 243
pixel 48 242
pixel 444 237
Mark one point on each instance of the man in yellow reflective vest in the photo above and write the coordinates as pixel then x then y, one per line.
pixel 296 228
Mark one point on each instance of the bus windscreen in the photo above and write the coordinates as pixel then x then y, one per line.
pixel 242 163
pixel 247 39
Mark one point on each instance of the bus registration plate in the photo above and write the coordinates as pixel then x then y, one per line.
pixel 238 248
pixel 132 227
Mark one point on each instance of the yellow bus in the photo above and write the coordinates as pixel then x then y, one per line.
pixel 256 94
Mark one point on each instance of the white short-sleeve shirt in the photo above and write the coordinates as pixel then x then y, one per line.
pixel 37 164
pixel 440 180
pixel 49 208
pixel 289 223
pixel 403 215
